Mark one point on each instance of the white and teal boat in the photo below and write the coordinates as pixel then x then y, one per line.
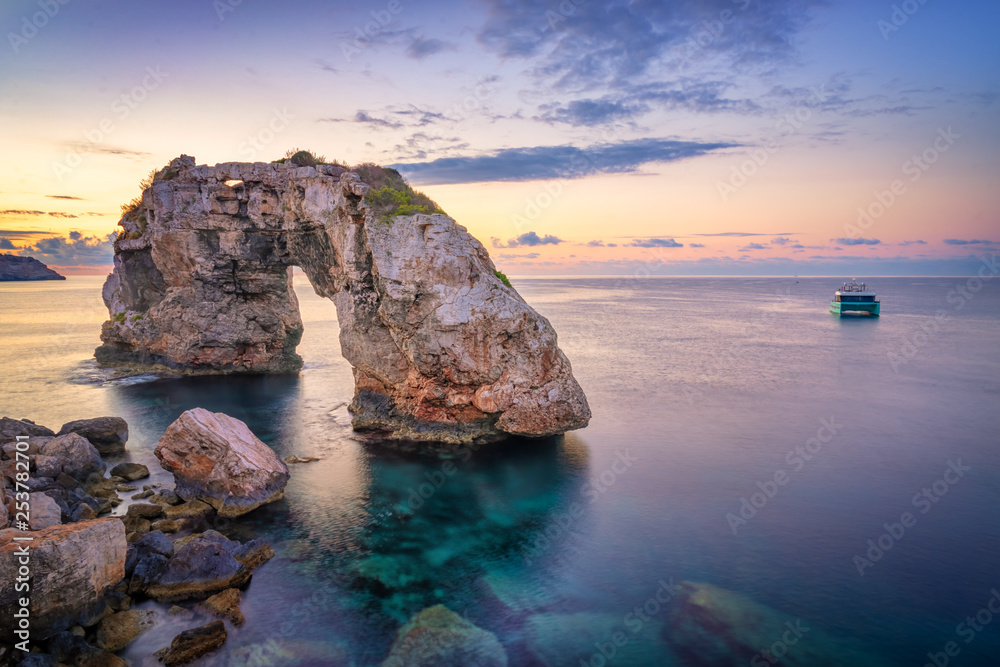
pixel 855 298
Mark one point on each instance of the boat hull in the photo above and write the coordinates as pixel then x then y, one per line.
pixel 840 308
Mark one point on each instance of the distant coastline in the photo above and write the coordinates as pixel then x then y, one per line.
pixel 13 267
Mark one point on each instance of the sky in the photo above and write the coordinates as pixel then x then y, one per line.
pixel 572 137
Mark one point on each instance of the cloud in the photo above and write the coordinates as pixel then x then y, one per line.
pixel 65 197
pixel 528 239
pixel 969 242
pixel 753 246
pixel 654 243
pixel 76 250
pixel 913 242
pixel 781 240
pixel 858 241
pixel 527 255
pixel 547 162
pixel 599 43
pixel 421 48
pixel 743 234
pixel 5 244
pixel 696 245
pixel 392 118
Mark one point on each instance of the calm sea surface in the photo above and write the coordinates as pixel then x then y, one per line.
pixel 704 386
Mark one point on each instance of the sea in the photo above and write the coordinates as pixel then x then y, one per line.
pixel 884 433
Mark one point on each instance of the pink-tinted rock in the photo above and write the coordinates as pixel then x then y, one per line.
pixel 218 460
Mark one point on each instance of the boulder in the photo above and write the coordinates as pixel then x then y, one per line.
pixel 72 565
pixel 216 459
pixel 200 568
pixel 443 348
pixel 708 625
pixel 192 644
pixel 77 457
pixel 438 637
pixel 11 428
pixel 226 604
pixel 45 511
pixel 130 471
pixel 107 434
pixel 117 631
pixel 192 515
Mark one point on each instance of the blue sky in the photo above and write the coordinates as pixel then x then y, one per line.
pixel 623 129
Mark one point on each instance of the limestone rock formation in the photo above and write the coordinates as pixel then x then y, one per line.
pixel 14 267
pixel 218 460
pixel 72 565
pixel 443 349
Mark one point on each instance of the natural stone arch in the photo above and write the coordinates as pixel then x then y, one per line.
pixel 442 349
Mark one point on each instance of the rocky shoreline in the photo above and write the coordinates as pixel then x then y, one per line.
pixel 88 568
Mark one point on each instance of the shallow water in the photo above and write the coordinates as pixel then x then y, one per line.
pixel 700 388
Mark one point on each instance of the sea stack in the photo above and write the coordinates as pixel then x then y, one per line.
pixel 443 348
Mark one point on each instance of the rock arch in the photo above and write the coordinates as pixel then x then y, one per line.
pixel 442 349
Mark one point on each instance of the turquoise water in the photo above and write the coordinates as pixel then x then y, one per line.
pixel 701 388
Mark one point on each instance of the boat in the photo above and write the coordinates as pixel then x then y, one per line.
pixel 853 297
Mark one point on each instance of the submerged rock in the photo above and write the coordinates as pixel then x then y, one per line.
pixel 72 567
pixel 192 644
pixel 107 434
pixel 443 348
pixel 438 637
pixel 218 460
pixel 710 626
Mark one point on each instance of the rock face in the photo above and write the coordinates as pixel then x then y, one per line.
pixel 216 459
pixel 107 434
pixel 72 565
pixel 14 267
pixel 443 349
pixel 438 637
pixel 710 626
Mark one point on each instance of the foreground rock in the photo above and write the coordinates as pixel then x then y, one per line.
pixel 227 604
pixel 72 454
pixel 130 471
pixel 443 348
pixel 203 565
pixel 15 267
pixel 707 625
pixel 437 637
pixel 107 434
pixel 73 565
pixel 119 630
pixel 11 428
pixel 192 644
pixel 216 459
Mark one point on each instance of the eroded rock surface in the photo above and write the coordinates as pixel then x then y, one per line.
pixel 218 460
pixel 443 349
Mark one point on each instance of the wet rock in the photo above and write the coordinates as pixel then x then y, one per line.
pixel 82 512
pixel 226 604
pixel 148 568
pixel 166 497
pixel 45 511
pixel 190 515
pixel 99 487
pixel 707 625
pixel 72 566
pixel 254 553
pixel 107 434
pixel 437 637
pixel 216 459
pixel 144 510
pixel 130 471
pixel 142 495
pixel 119 630
pixel 566 640
pixel 192 644
pixel 78 458
pixel 199 569
pixel 11 428
pixel 165 525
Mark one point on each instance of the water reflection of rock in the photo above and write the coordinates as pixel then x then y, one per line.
pixel 710 626
pixel 434 527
